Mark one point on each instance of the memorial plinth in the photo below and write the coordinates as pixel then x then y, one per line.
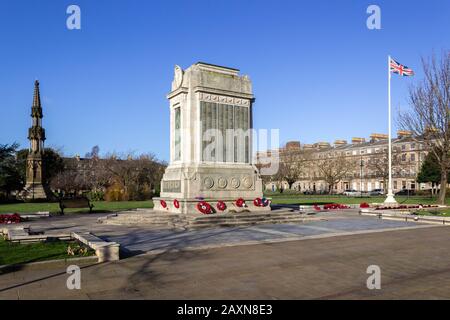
pixel 210 143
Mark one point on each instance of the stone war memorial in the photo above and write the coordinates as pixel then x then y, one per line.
pixel 211 169
pixel 34 189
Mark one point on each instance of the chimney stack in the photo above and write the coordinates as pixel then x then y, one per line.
pixel 293 145
pixel 404 134
pixel 339 143
pixel 378 136
pixel 321 145
pixel 356 140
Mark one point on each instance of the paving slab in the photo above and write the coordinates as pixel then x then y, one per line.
pixel 415 264
pixel 157 240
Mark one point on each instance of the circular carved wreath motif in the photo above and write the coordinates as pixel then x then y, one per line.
pixel 247 182
pixel 222 182
pixel 208 182
pixel 235 182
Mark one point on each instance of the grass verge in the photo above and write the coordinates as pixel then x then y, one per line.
pixel 18 253
pixel 53 207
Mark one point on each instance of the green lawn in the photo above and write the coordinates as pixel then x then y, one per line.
pixel 435 213
pixel 278 198
pixel 99 206
pixel 15 253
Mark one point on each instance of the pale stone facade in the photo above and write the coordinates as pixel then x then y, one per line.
pixel 210 140
pixel 408 156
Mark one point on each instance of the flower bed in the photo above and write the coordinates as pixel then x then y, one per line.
pixel 335 206
pixel 9 218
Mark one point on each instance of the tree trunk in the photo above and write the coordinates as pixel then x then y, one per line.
pixel 443 188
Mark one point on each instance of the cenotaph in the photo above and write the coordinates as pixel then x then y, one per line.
pixel 210 168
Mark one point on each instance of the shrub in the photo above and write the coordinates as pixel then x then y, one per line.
pixel 116 192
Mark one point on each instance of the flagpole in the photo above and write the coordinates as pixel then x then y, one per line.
pixel 390 196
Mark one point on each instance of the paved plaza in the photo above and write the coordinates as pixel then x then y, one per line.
pixel 140 241
pixel 315 260
pixel 143 239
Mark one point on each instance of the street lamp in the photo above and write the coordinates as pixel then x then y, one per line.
pixel 361 164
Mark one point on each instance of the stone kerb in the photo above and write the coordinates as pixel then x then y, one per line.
pixel 105 251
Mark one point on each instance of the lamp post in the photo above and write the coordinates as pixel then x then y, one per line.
pixel 361 164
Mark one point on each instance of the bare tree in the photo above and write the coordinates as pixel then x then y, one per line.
pixel 66 182
pixel 292 165
pixel 94 153
pixel 429 114
pixel 378 165
pixel 138 177
pixel 333 169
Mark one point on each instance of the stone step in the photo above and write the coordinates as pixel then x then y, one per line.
pixel 240 217
pixel 247 218
pixel 243 223
pixel 167 220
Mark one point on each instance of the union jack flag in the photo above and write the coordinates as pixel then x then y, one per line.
pixel 400 69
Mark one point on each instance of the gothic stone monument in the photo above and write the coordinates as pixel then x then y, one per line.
pixel 34 189
pixel 210 143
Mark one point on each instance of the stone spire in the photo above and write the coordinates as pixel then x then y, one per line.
pixel 36 134
pixel 36 109
pixel 34 188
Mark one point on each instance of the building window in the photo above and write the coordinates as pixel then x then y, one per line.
pixel 404 157
pixel 413 157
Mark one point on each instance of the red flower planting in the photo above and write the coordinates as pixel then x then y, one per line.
pixel 9 218
pixel 176 203
pixel 163 204
pixel 240 202
pixel 221 205
pixel 266 202
pixel 364 205
pixel 335 206
pixel 258 202
pixel 204 207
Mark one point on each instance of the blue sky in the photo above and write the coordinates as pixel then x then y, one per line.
pixel 318 73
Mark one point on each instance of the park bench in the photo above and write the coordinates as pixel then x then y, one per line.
pixel 75 203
